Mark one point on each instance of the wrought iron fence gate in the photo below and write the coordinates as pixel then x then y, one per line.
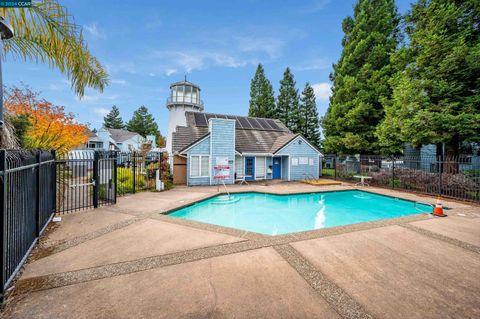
pixel 85 179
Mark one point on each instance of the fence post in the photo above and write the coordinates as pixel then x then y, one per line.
pixel 115 177
pixel 54 182
pixel 160 166
pixel 3 191
pixel 95 179
pixel 440 168
pixel 134 170
pixel 335 166
pixel 393 172
pixel 37 193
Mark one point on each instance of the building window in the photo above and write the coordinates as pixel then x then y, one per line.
pixel 194 95
pixel 239 166
pixel 188 94
pixel 200 166
pixel 303 160
pixel 260 167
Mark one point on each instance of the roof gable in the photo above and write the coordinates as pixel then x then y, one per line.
pixel 296 138
pixel 119 135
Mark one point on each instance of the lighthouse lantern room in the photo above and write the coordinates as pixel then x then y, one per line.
pixel 184 96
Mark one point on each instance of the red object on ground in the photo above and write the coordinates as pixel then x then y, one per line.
pixel 438 210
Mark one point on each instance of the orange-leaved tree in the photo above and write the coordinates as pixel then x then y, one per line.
pixel 48 126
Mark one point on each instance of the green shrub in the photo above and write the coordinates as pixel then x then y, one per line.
pixel 125 180
pixel 328 172
pixel 472 173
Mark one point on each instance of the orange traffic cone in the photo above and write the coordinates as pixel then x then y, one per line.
pixel 438 210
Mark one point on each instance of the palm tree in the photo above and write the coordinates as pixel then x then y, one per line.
pixel 47 33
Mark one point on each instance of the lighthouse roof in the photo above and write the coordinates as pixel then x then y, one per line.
pixel 184 83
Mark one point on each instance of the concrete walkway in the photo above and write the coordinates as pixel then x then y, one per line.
pixel 132 261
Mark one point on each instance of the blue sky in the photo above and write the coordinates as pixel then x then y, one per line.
pixel 146 45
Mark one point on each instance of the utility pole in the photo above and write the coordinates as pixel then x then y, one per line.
pixel 6 32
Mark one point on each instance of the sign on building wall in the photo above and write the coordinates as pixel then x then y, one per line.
pixel 221 168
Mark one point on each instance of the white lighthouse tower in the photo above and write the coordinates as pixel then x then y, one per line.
pixel 184 96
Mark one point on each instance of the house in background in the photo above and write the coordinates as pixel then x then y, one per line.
pixel 206 146
pixel 109 139
pixel 426 157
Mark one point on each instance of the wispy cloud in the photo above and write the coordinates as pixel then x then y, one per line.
pixel 95 31
pixel 196 60
pixel 101 111
pixel 314 64
pixel 96 98
pixel 169 72
pixel 124 67
pixel 271 46
pixel 119 81
pixel 322 91
pixel 59 86
pixel 223 48
pixel 313 6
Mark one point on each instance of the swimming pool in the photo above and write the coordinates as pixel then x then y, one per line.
pixel 280 214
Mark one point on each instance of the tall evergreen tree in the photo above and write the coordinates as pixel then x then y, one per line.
pixel 113 119
pixel 288 103
pixel 310 127
pixel 436 94
pixel 360 78
pixel 262 100
pixel 143 123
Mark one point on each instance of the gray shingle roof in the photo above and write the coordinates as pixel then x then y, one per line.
pixel 91 134
pixel 253 135
pixel 119 135
pixel 281 141
pixel 186 135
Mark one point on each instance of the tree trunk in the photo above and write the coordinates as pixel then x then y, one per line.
pixel 452 152
pixel 7 136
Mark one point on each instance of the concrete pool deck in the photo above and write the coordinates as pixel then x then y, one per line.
pixel 131 261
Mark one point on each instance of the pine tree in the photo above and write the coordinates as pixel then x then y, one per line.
pixel 308 113
pixel 287 109
pixel 436 94
pixel 262 100
pixel 360 78
pixel 113 119
pixel 143 123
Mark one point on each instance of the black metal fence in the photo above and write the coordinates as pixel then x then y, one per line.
pixel 137 171
pixel 27 199
pixel 34 185
pixel 85 179
pixel 89 179
pixel 454 177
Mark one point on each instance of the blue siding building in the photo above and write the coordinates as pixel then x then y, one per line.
pixel 227 149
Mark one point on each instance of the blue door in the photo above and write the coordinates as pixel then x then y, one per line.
pixel 277 168
pixel 249 168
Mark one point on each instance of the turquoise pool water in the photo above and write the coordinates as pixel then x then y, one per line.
pixel 281 214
